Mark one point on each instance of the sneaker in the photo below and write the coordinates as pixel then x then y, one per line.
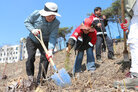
pixel 111 55
pixel 126 83
pixel 99 59
pixel 91 71
pixel 31 78
pixel 132 75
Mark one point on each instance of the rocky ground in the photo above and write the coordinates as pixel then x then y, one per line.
pixel 99 81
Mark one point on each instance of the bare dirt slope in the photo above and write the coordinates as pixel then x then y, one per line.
pixel 99 81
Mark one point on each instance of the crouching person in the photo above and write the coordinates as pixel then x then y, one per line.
pixel 84 37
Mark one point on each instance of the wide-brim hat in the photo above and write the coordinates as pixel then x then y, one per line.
pixel 87 24
pixel 50 8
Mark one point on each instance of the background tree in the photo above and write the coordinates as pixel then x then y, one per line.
pixel 113 14
pixel 62 33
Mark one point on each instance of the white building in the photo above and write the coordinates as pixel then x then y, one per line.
pixel 15 53
pixel 9 54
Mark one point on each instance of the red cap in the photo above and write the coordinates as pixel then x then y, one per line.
pixel 87 23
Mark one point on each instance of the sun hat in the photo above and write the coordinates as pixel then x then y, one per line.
pixel 50 8
pixel 87 24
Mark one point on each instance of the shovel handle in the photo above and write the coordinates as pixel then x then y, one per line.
pixel 45 49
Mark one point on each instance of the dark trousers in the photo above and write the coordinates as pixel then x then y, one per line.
pixel 31 50
pixel 99 42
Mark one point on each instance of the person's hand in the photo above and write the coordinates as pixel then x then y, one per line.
pixel 49 54
pixel 124 26
pixel 104 17
pixel 36 31
pixel 99 24
pixel 68 48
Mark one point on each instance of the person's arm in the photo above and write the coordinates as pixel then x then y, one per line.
pixel 94 23
pixel 53 37
pixel 73 38
pixel 105 20
pixel 30 21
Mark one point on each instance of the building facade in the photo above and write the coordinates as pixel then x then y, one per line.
pixel 15 53
pixel 9 54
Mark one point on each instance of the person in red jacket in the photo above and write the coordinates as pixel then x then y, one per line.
pixel 84 38
pixel 99 24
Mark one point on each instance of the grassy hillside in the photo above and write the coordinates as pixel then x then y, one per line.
pixel 99 81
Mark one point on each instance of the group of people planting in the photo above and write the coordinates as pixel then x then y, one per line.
pixel 90 33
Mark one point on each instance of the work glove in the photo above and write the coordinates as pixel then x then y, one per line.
pixel 124 25
pixel 36 31
pixel 49 54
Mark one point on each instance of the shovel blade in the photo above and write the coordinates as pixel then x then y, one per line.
pixel 61 78
pixel 126 58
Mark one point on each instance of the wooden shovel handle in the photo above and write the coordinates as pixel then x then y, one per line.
pixel 45 49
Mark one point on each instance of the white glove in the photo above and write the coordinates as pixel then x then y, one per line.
pixel 36 31
pixel 128 21
pixel 50 53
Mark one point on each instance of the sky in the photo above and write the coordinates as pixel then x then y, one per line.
pixel 73 12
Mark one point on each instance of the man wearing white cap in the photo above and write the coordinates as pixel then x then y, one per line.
pixel 44 20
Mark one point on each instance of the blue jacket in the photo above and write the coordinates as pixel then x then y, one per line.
pixel 49 29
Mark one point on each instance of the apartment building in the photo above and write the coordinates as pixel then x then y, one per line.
pixel 15 53
pixel 9 54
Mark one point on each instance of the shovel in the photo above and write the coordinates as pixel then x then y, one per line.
pixel 60 77
pixel 125 52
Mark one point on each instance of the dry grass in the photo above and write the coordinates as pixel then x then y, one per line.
pixel 99 81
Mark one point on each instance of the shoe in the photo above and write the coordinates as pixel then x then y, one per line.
pixel 111 55
pixel 132 75
pixel 129 83
pixel 99 59
pixel 92 70
pixel 31 78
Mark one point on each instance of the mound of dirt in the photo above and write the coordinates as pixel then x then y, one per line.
pixel 99 81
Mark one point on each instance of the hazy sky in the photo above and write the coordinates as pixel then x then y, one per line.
pixel 14 12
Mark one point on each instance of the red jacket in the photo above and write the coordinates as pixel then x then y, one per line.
pixel 86 39
pixel 97 20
